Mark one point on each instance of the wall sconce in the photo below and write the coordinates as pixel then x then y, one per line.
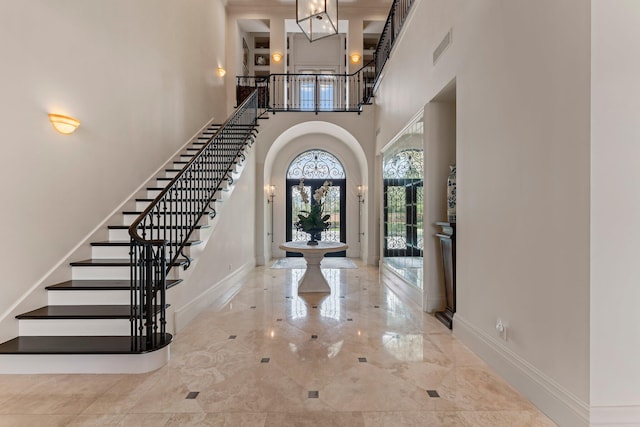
pixel 64 124
pixel 221 72
pixel 360 203
pixel 355 57
pixel 272 195
pixel 276 56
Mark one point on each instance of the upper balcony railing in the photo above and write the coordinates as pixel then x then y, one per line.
pixel 310 92
pixel 327 92
pixel 399 11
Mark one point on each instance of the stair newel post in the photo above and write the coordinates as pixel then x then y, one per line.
pixel 147 291
pixel 181 208
pixel 133 295
pixel 166 228
pixel 160 287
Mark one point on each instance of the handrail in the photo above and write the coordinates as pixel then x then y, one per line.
pixel 161 232
pixel 393 25
pixel 310 92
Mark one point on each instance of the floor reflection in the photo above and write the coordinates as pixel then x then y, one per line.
pixel 329 305
pixel 404 347
pixel 408 268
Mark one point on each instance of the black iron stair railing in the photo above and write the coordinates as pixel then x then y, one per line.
pixel 160 234
pixel 310 92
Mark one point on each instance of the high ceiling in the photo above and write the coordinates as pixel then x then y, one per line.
pixel 345 3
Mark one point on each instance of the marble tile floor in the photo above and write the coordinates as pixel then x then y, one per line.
pixel 358 357
pixel 408 268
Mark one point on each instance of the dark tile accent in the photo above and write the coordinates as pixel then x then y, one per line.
pixel 265 360
pixel 314 337
pixel 364 289
pixel 349 320
pixel 253 306
pixel 362 359
pixel 314 394
pixel 278 320
pixel 192 394
pixel 232 337
pixel 266 289
pixel 341 296
pixel 315 306
pixel 433 393
pixel 376 306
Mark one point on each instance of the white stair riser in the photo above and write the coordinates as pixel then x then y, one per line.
pixel 83 363
pixel 120 235
pixel 141 206
pixel 97 273
pixel 173 174
pixel 111 273
pixel 171 220
pixel 118 252
pixel 186 157
pixel 119 297
pixel 152 194
pixel 74 327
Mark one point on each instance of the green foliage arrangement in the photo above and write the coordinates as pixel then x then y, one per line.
pixel 313 220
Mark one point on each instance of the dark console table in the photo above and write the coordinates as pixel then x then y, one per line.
pixel 447 237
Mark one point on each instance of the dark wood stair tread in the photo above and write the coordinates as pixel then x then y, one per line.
pixel 80 312
pixel 126 227
pixel 127 243
pixel 76 345
pixel 115 262
pixel 100 285
pixel 169 213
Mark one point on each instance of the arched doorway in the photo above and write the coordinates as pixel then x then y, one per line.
pixel 315 167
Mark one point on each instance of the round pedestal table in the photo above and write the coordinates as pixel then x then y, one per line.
pixel 313 280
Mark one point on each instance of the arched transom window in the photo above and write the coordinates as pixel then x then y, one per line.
pixel 405 164
pixel 316 164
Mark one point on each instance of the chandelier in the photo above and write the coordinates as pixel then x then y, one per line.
pixel 317 18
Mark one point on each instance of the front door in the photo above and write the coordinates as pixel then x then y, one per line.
pixel 316 167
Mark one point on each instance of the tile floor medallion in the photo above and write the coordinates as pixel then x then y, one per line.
pixel 283 363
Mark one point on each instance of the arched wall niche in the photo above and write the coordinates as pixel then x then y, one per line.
pixel 291 143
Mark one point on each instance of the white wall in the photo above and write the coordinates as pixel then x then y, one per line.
pixel 522 73
pixel 229 250
pixel 353 130
pixel 321 56
pixel 353 177
pixel 615 209
pixel 439 153
pixel 139 75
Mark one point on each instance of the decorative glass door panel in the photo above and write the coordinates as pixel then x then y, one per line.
pixel 315 167
pixel 403 223
pixel 395 219
pixel 403 204
pixel 403 173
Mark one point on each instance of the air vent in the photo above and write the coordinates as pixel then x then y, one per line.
pixel 444 44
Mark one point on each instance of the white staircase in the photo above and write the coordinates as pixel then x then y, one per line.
pixel 85 328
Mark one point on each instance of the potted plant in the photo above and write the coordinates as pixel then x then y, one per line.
pixel 313 221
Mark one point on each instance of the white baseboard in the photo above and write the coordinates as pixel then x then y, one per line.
pixel 615 416
pixel 562 406
pixel 214 297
